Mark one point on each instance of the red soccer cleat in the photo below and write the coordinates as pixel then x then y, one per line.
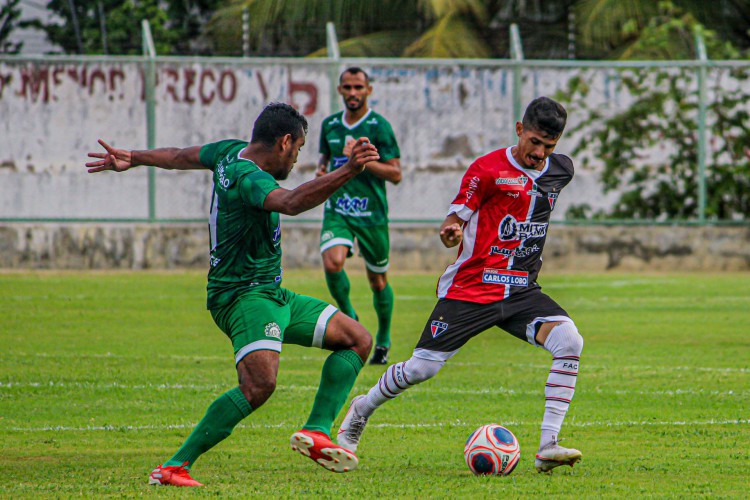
pixel 325 452
pixel 175 475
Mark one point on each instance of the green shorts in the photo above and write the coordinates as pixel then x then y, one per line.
pixel 374 242
pixel 266 317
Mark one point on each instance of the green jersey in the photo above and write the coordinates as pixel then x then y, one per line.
pixel 362 200
pixel 245 238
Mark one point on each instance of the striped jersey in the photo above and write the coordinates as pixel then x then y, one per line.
pixel 506 211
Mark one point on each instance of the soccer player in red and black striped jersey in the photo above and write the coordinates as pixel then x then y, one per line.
pixel 499 220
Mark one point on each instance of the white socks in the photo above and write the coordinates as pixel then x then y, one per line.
pixel 565 344
pixel 396 379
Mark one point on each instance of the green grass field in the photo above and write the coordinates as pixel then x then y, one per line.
pixel 102 376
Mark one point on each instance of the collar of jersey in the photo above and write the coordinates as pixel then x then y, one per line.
pixel 354 125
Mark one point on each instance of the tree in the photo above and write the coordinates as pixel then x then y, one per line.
pixel 114 26
pixel 390 28
pixel 649 151
pixel 9 20
pixel 609 28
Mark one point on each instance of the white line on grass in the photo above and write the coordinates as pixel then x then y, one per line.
pixel 313 388
pixel 321 359
pixel 633 423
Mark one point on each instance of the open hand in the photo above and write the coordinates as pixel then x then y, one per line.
pixel 114 159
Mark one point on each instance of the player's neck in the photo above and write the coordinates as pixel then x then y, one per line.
pixel 353 117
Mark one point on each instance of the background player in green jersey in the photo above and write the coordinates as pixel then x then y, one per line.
pixel 245 296
pixel 360 208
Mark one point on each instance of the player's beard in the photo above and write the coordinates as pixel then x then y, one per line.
pixel 355 105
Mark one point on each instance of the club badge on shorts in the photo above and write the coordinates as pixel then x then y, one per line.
pixel 437 328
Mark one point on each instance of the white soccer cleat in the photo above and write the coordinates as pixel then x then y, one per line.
pixel 352 427
pixel 553 455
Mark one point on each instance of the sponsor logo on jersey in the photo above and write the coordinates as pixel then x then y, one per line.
pixel 510 229
pixel 514 252
pixel 534 191
pixel 221 172
pixel 356 206
pixel 512 194
pixel 372 121
pixel 273 330
pixel 552 198
pixel 334 141
pixel 438 328
pixel 277 233
pixel 473 185
pixel 214 261
pixel 327 235
pixel 505 277
pixel 334 121
pixel 512 181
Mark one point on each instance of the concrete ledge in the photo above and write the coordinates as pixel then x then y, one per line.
pixel 416 248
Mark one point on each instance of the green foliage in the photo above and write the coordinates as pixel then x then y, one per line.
pixel 608 28
pixel 105 374
pixel 175 25
pixel 648 152
pixel 9 20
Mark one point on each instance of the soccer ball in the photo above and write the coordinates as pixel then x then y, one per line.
pixel 492 450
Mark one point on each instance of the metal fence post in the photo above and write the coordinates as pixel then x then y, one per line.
pixel 149 82
pixel 516 53
pixel 700 47
pixel 334 55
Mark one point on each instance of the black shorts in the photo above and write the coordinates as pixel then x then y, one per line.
pixel 453 322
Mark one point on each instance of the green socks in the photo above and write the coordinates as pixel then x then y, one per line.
pixel 337 379
pixel 383 302
pixel 339 287
pixel 220 419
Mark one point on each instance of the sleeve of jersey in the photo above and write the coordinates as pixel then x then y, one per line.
pixel 255 187
pixel 386 143
pixel 474 184
pixel 210 154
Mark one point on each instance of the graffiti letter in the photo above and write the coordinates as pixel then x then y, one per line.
pixel 227 94
pixel 206 99
pixel 189 83
pixel 306 88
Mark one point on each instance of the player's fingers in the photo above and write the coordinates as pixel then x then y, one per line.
pixel 95 163
pixel 97 155
pixel 106 146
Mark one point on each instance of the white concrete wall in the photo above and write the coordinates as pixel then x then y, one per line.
pixel 51 114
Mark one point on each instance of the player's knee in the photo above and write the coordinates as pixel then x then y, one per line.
pixel 358 339
pixel 417 370
pixel 333 266
pixel 377 282
pixel 564 340
pixel 257 391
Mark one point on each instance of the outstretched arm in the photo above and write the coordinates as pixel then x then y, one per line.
pixel 451 232
pixel 120 160
pixel 314 192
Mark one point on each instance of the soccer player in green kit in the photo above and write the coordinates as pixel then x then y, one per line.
pixel 360 208
pixel 245 296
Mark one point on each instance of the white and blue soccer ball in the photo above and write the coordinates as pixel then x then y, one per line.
pixel 492 450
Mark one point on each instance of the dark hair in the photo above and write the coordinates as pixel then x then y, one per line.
pixel 275 121
pixel 545 115
pixel 354 70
